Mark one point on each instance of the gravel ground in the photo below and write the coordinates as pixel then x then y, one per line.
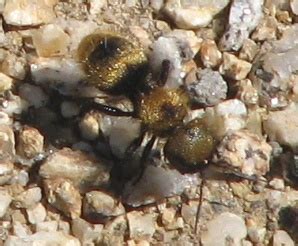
pixel 68 174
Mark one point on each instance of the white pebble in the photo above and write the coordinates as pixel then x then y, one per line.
pixel 36 214
pixel 281 238
pixel 227 116
pixel 5 200
pixel 28 12
pixel 226 225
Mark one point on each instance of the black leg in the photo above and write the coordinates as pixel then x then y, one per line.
pixel 88 105
pixel 135 145
pixel 199 206
pixel 144 158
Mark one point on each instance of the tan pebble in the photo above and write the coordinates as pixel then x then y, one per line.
pixel 50 40
pixel 30 142
pixel 210 54
pixel 234 68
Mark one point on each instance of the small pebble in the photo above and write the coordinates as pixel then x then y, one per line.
pixel 245 152
pixel 6 172
pixel 60 73
pixel 249 50
pixel 294 6
pixel 90 126
pixel 210 55
pixel 281 238
pixel 282 126
pixel 99 203
pixel 5 82
pixel 20 177
pixel 194 15
pixel 188 212
pixel 28 198
pixel 168 216
pixel 226 116
pixel 190 37
pixel 247 93
pixel 257 235
pixel 80 168
pixel 26 91
pixel 30 142
pixel 43 238
pixel 277 183
pixel 36 214
pixel 7 143
pixel 267 30
pixel 21 230
pixel 140 225
pixel 157 183
pixel 243 19
pixel 14 66
pixel 96 6
pixel 47 226
pixel 50 40
pixel 208 88
pixel 28 12
pixel 5 199
pixel 62 195
pixel 222 227
pixel 87 233
pixel 233 67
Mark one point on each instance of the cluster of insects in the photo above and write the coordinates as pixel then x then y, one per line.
pixel 117 66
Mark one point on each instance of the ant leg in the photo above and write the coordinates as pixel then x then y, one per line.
pixel 88 105
pixel 165 70
pixel 199 206
pixel 144 157
pixel 135 145
pixel 120 174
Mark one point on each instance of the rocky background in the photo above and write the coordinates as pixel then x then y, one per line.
pixel 238 60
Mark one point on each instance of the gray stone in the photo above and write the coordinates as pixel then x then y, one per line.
pixel 209 88
pixel 243 19
pixel 80 168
